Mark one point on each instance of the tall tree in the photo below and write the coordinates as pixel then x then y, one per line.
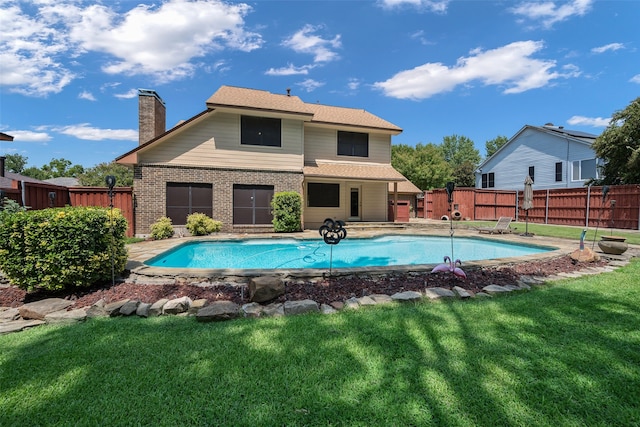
pixel 619 146
pixel 95 176
pixel 461 154
pixel 58 168
pixel 423 165
pixel 495 144
pixel 15 163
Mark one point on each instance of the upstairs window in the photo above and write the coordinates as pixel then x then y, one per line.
pixel 262 131
pixel 488 180
pixel 353 144
pixel 559 172
pixel 583 170
pixel 532 172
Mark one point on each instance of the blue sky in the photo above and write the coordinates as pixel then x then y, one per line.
pixel 70 69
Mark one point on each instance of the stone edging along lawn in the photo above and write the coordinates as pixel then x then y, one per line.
pixel 55 310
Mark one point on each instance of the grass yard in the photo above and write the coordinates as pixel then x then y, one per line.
pixel 566 354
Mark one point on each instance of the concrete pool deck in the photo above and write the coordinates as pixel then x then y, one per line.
pixel 143 251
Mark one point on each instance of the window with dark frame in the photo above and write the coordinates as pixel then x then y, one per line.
pixel 532 172
pixel 252 204
pixel 353 144
pixel 261 131
pixel 183 199
pixel 559 172
pixel 488 180
pixel 323 195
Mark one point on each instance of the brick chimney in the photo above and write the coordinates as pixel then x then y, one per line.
pixel 152 115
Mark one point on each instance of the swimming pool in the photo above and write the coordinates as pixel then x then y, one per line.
pixel 384 251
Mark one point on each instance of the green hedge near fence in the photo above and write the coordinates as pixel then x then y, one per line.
pixel 62 248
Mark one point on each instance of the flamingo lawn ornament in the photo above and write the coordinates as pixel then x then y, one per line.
pixel 450 266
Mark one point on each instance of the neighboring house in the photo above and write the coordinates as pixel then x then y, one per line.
pixel 229 160
pixel 554 157
pixel 63 181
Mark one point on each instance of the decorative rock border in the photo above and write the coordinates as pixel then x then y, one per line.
pixel 55 310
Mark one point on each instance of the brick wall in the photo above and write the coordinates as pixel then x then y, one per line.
pixel 150 187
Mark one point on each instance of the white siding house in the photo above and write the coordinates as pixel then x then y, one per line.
pixel 553 156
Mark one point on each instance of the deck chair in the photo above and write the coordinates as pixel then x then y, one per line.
pixel 502 226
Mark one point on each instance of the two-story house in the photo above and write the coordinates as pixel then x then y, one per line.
pixel 229 160
pixel 552 156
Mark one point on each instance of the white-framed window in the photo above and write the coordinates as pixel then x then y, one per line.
pixel 582 170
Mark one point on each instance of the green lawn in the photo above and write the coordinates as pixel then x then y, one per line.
pixel 566 354
pixel 560 231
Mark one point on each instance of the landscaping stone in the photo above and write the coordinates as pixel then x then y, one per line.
pixel 265 288
pixel 156 307
pixel 407 296
pixel 381 298
pixel 113 308
pixel 177 305
pixel 9 314
pixel 366 300
pixel 495 289
pixel 585 255
pixel 351 303
pixel 483 295
pixel 217 311
pixel 66 317
pixel 273 310
pixel 338 305
pixel 197 305
pixel 253 309
pixel 143 309
pixel 19 325
pixel 38 309
pixel 300 307
pixel 129 308
pixel 327 309
pixel 97 309
pixel 523 285
pixel 437 293
pixel 513 287
pixel 462 292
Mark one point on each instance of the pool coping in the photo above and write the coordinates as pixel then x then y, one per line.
pixel 143 251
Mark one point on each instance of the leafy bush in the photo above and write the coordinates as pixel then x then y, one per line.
pixel 199 224
pixel 287 211
pixel 162 229
pixel 62 247
pixel 9 206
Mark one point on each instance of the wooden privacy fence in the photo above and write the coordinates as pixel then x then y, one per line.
pixel 563 206
pixel 41 196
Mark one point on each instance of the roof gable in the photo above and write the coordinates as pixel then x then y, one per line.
pixel 556 131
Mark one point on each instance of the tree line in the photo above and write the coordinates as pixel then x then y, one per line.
pixel 63 168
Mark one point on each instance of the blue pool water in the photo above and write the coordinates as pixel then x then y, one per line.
pixel 291 253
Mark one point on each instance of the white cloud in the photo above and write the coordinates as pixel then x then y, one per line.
pixel 310 85
pixel 305 41
pixel 438 6
pixel 31 53
pixel 550 12
pixel 87 96
pixel 289 70
pixel 353 84
pixel 87 132
pixel 589 121
pixel 132 93
pixel 608 47
pixel 38 50
pixel 29 136
pixel 635 79
pixel 511 66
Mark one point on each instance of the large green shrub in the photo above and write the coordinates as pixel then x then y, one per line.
pixel 287 211
pixel 200 224
pixel 62 247
pixel 162 229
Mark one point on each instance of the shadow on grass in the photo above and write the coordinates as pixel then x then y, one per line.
pixel 561 355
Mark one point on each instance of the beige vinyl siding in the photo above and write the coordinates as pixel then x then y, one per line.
pixel 374 201
pixel 215 142
pixel 322 144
